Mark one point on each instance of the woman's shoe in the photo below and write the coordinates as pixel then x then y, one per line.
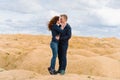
pixel 52 71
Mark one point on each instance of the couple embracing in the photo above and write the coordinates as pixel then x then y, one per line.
pixel 61 33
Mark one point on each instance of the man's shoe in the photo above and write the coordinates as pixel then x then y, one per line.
pixel 58 71
pixel 62 72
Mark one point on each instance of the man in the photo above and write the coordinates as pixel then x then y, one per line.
pixel 63 44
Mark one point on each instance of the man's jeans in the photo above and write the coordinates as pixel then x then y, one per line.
pixel 62 56
pixel 54 47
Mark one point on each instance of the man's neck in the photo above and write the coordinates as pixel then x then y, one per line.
pixel 64 24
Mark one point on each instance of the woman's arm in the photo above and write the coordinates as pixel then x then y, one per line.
pixel 57 28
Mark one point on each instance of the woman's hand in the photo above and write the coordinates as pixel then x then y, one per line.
pixel 57 37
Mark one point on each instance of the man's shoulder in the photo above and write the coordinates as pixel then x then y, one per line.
pixel 68 26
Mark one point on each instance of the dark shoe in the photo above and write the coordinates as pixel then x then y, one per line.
pixel 58 71
pixel 52 71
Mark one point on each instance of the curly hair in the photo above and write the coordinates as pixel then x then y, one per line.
pixel 53 21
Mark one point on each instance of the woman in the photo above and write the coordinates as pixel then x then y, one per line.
pixel 54 27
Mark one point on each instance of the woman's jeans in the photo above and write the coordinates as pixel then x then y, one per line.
pixel 54 47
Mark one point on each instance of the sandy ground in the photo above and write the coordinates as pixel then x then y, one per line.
pixel 26 57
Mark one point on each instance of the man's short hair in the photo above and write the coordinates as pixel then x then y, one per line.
pixel 65 16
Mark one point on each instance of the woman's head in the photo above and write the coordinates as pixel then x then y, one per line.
pixel 54 20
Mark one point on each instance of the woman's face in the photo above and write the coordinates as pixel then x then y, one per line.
pixel 58 22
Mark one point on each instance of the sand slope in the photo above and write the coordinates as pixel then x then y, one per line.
pixel 29 56
pixel 29 75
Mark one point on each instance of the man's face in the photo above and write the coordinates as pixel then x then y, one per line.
pixel 62 19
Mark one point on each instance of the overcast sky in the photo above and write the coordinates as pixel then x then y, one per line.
pixel 97 18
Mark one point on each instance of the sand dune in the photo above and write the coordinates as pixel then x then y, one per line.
pixel 26 57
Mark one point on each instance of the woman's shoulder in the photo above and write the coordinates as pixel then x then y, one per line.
pixel 55 25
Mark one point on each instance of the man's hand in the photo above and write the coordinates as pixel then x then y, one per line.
pixel 62 27
pixel 57 37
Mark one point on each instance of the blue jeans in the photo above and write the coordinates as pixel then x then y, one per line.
pixel 54 47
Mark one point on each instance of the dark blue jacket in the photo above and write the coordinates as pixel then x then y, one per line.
pixel 56 30
pixel 65 35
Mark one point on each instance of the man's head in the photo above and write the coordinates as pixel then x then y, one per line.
pixel 63 18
